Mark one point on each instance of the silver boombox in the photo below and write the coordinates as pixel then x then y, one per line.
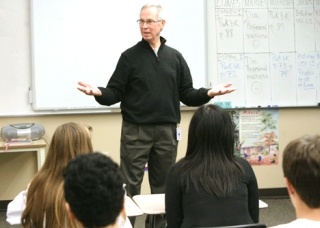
pixel 31 131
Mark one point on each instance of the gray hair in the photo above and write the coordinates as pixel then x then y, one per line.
pixel 158 7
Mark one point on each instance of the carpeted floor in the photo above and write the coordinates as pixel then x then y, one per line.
pixel 278 211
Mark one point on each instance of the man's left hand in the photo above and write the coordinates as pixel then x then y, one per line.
pixel 221 90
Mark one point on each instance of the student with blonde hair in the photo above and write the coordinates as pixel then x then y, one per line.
pixel 42 204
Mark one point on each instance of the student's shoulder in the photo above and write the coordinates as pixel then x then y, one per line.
pixel 242 161
pixel 176 167
pixel 245 165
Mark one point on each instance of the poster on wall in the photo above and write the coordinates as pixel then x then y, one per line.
pixel 257 137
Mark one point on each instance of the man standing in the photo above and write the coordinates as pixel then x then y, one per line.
pixel 150 80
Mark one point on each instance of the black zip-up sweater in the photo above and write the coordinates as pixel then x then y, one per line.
pixel 151 87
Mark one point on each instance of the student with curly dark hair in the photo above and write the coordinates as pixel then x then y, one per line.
pixel 94 191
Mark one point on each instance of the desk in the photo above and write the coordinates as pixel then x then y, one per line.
pixel 131 207
pixel 262 204
pixel 151 204
pixel 38 146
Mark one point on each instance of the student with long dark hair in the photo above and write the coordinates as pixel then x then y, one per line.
pixel 211 186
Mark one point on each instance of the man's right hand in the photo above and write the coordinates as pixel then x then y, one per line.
pixel 88 89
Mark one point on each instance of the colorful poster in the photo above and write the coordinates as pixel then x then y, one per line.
pixel 257 137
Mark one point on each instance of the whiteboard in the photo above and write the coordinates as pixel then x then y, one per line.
pixel 269 50
pixel 81 40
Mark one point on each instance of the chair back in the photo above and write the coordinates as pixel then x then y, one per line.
pixel 253 225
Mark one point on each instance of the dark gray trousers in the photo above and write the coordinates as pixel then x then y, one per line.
pixel 155 145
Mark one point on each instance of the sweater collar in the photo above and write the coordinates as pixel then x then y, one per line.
pixel 162 40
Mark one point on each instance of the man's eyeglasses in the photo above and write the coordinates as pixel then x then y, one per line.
pixel 148 22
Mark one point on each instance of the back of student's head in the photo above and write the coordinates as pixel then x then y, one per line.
pixel 209 160
pixel 45 199
pixel 211 132
pixel 68 141
pixel 94 189
pixel 301 166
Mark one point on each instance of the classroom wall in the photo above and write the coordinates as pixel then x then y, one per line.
pixel 16 170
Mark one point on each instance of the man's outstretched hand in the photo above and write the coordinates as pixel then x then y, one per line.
pixel 88 89
pixel 221 90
